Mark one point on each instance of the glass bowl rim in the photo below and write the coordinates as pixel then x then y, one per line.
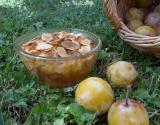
pixel 17 44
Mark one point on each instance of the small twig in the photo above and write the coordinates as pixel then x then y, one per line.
pixel 128 94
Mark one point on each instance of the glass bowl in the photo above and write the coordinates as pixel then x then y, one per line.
pixel 59 72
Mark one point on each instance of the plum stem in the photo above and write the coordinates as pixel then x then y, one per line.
pixel 128 94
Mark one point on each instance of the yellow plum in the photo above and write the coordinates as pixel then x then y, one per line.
pixel 134 13
pixel 121 74
pixel 134 24
pixel 146 31
pixel 94 94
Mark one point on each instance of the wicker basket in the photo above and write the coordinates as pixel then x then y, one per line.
pixel 115 10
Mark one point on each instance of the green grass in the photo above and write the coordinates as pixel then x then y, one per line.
pixel 22 101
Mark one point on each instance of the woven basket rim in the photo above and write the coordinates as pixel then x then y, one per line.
pixel 143 43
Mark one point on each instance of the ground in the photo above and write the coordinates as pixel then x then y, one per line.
pixel 22 101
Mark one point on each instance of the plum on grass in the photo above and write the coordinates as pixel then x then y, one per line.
pixel 94 94
pixel 132 114
pixel 121 74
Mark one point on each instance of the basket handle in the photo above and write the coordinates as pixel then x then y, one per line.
pixel 110 7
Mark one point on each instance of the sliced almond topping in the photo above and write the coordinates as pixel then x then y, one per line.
pixel 80 38
pixel 49 53
pixel 78 35
pixel 73 53
pixel 28 43
pixel 30 46
pixel 34 52
pixel 71 45
pixel 93 44
pixel 70 37
pixel 61 52
pixel 46 50
pixel 43 55
pixel 57 44
pixel 61 35
pixel 54 53
pixel 55 37
pixel 46 37
pixel 38 41
pixel 85 49
pixel 43 46
pixel 85 42
pixel 53 42
pixel 71 34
